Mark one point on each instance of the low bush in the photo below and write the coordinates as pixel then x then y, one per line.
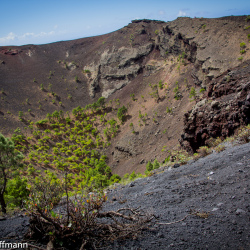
pixel 16 192
pixel 242 45
pixel 203 151
pixel 80 223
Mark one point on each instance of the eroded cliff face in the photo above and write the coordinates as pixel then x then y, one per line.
pixel 116 68
pixel 212 45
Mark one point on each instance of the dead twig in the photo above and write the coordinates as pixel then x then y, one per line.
pixel 173 222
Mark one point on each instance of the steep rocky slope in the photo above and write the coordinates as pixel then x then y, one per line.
pixel 184 53
pixel 224 109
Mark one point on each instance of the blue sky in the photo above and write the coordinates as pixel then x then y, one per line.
pixel 46 21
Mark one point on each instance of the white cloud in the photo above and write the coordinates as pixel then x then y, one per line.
pixel 161 12
pixel 28 37
pixel 181 13
pixel 10 37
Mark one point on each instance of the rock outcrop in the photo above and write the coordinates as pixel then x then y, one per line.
pixel 207 43
pixel 225 108
pixel 116 69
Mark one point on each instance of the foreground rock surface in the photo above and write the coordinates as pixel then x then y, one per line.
pixel 215 188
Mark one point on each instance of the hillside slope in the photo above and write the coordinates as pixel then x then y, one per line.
pixel 126 65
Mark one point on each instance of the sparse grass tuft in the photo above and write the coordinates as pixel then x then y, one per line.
pixel 213 142
pixel 220 148
pixel 169 110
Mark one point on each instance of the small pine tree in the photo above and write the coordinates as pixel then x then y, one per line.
pixel 192 93
pixel 149 166
pixel 9 162
pixel 121 113
pixel 156 164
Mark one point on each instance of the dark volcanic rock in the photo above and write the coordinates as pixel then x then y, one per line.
pixel 225 109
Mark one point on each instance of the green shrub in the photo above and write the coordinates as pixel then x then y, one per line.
pixel 156 164
pixel 131 125
pixel 192 93
pixel 133 97
pixel 242 45
pixel 149 166
pixel 101 102
pixel 160 84
pixel 132 176
pixel 131 39
pixel 41 122
pixel 169 110
pixel 121 113
pixel 10 163
pixel 155 93
pixel 16 192
pixel 202 90
pixel 41 87
pixel 20 114
pixel 177 93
